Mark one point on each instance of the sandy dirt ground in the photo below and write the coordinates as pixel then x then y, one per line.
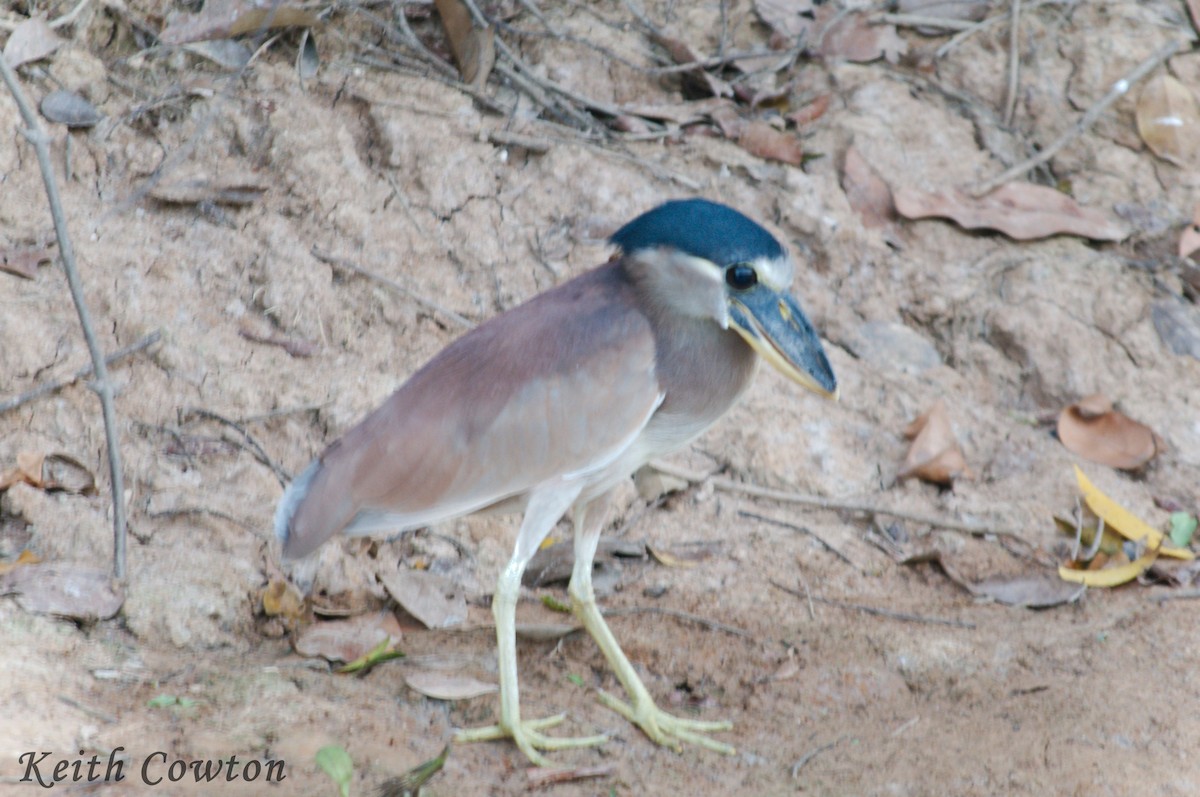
pixel 398 174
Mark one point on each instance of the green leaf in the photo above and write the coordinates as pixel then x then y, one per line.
pixel 1183 526
pixel 162 701
pixel 575 679
pixel 336 763
pixel 555 605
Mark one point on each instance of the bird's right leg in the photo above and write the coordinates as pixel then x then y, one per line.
pixel 546 505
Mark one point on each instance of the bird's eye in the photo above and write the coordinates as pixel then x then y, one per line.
pixel 741 276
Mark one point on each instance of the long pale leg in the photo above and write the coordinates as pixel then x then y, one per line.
pixel 546 505
pixel 665 729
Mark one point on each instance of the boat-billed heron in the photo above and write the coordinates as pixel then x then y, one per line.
pixel 549 406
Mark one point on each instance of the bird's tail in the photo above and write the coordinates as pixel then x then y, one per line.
pixel 314 507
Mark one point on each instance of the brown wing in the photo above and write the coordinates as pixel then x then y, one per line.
pixel 561 384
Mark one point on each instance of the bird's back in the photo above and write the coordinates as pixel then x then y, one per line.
pixel 552 387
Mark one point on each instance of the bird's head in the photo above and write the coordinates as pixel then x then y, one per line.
pixel 705 260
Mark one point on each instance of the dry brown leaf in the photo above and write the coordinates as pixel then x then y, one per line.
pixel 281 599
pixel 554 563
pixel 31 40
pixel 1032 592
pixel 760 139
pixel 66 590
pixel 23 261
pixel 866 191
pixel 934 455
pixel 347 640
pixel 1023 211
pixel 432 599
pixel 222 19
pixel 852 37
pixel 474 48
pixel 52 472
pixel 444 686
pixel 811 112
pixel 27 557
pixel 1095 431
pixel 1189 241
pixel 1194 12
pixel 787 19
pixel 1168 120
pixel 682 53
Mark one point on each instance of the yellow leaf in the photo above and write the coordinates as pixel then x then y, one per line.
pixel 1109 576
pixel 1124 522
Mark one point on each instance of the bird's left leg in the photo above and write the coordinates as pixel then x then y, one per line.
pixel 547 503
pixel 663 728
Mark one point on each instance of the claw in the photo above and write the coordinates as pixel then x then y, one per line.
pixel 667 729
pixel 527 735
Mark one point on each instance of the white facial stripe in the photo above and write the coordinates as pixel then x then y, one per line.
pixel 775 273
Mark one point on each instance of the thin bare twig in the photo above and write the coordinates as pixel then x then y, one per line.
pixel 251 445
pixel 691 618
pixel 811 754
pixel 540 777
pixel 919 21
pixel 428 304
pixel 55 385
pixel 731 486
pixel 56 23
pixel 803 530
pixel 976 27
pixel 1014 63
pixel 1177 595
pixel 877 612
pixel 66 250
pixel 1118 90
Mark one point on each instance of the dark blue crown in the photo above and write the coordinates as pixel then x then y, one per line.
pixel 699 228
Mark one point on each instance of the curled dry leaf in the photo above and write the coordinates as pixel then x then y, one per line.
pixel 222 19
pixel 1023 211
pixel 1095 431
pixel 52 473
pixel 1124 522
pixel 1168 120
pixel 347 640
pixel 474 48
pixel 1194 12
pixel 934 455
pixel 31 40
pixel 445 686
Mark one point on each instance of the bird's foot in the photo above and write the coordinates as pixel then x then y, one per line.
pixel 667 729
pixel 528 736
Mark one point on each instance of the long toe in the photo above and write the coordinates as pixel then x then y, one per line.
pixel 667 729
pixel 528 736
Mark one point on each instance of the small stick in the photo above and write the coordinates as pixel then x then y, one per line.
pixel 976 27
pixel 103 387
pixel 888 613
pixel 251 444
pixel 428 304
pixel 1014 63
pixel 811 754
pixel 540 777
pixel 55 24
pixel 802 530
pixel 691 618
pixel 1118 90
pixel 919 21
pixel 55 385
pixel 731 486
pixel 1178 595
